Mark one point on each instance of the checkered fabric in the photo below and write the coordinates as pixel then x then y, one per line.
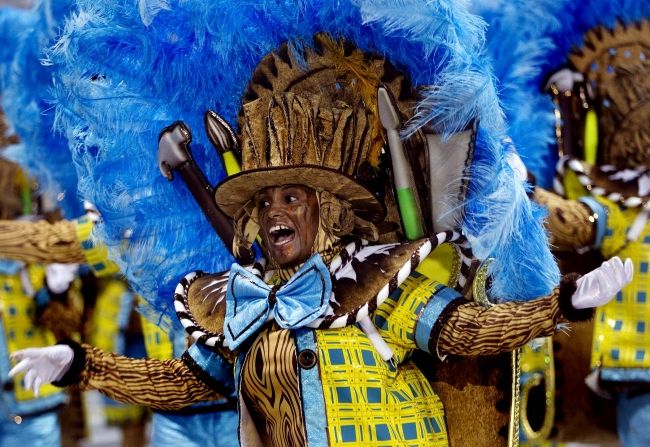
pixel 621 332
pixel 371 402
pixel 96 256
pixel 156 341
pixel 18 313
pixel 110 316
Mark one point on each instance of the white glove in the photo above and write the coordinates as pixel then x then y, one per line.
pixel 564 79
pixel 59 276
pixel 600 285
pixel 92 212
pixel 42 365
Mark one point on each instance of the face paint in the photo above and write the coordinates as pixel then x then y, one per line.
pixel 288 218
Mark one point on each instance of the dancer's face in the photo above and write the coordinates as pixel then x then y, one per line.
pixel 288 222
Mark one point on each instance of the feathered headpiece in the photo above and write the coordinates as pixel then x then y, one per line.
pixel 124 71
pixel 546 33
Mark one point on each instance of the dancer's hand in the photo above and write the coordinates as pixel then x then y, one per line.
pixel 59 276
pixel 564 79
pixel 42 365
pixel 599 286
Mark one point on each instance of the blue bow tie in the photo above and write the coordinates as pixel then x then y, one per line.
pixel 250 301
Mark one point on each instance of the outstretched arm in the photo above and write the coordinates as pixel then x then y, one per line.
pixel 471 329
pixel 63 242
pixel 41 241
pixel 167 385
pixel 572 224
pixel 164 385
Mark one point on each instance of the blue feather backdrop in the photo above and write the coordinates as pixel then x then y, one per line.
pixel 124 70
pixel 528 40
pixel 518 40
pixel 25 88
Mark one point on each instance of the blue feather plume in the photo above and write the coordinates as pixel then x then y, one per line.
pixel 518 40
pixel 527 41
pixel 124 70
pixel 25 88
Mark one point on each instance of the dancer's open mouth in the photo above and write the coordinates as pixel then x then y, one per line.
pixel 281 235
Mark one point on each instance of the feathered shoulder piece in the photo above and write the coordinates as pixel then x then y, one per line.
pixel 363 277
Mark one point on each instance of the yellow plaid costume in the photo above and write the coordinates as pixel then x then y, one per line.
pixel 96 255
pixel 621 337
pixel 348 394
pixel 621 342
pixel 370 402
pixel 18 309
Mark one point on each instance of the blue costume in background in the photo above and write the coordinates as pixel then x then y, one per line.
pixel 25 419
pixel 25 83
pixel 209 423
pixel 600 117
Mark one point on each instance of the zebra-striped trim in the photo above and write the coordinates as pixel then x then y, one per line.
pixel 363 311
pixel 576 166
pixel 213 340
pixel 466 258
pixel 346 255
pixel 198 333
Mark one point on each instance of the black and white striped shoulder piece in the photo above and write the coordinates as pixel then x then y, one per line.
pixel 466 258
pixel 207 296
pixel 363 277
pixel 392 263
pixel 191 326
pixel 629 187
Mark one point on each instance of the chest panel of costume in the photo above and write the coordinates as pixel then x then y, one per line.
pixel 370 402
pixel 19 329
pixel 157 343
pixel 271 389
pixel 367 401
pixel 111 316
pixel 96 256
pixel 621 337
pixel 397 316
pixel 442 265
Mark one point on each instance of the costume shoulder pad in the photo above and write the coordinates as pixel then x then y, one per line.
pixel 200 304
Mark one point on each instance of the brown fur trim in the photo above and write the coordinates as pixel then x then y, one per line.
pixel 217 386
pixel 73 375
pixel 567 289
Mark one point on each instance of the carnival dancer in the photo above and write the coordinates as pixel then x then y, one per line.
pixel 26 418
pixel 436 43
pixel 603 135
pixel 321 336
